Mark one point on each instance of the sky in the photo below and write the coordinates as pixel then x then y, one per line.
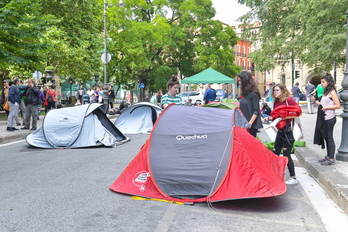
pixel 227 11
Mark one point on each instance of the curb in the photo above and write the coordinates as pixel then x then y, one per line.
pixel 13 136
pixel 333 182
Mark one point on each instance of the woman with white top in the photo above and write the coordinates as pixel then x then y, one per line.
pixel 328 104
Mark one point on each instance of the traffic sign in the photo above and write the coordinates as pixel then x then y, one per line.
pixel 142 85
pixel 37 75
pixel 106 57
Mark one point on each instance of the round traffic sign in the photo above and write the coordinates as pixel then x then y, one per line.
pixel 37 75
pixel 106 57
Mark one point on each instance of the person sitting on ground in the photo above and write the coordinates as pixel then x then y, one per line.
pixel 189 102
pixel 265 113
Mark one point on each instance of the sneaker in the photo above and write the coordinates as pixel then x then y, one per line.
pixel 328 162
pixel 291 181
pixel 25 128
pixel 33 128
pixel 18 124
pixel 9 129
pixel 323 160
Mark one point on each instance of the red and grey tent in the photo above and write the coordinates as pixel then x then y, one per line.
pixel 197 154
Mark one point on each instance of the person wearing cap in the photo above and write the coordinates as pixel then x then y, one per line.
pixel 13 101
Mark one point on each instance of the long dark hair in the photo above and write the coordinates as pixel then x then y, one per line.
pixel 248 85
pixel 330 84
pixel 173 81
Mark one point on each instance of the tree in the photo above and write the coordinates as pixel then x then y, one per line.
pixel 310 30
pixel 163 37
pixel 74 38
pixel 22 27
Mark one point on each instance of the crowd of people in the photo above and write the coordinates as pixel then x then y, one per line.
pixel 26 100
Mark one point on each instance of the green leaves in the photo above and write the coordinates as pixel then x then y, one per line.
pixel 309 30
pixel 158 38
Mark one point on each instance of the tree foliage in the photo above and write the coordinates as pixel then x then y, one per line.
pixel 149 40
pixel 312 31
pixel 163 37
pixel 21 29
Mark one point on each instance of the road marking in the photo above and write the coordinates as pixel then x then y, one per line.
pixel 331 215
pixel 11 143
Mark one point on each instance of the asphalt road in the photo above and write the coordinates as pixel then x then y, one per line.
pixel 67 190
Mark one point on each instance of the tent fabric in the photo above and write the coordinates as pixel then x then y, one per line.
pixel 208 76
pixel 75 127
pixel 138 118
pixel 191 158
pixel 225 104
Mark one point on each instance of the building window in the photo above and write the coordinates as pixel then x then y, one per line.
pixel 283 79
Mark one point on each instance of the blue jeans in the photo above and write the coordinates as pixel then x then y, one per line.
pixel 330 143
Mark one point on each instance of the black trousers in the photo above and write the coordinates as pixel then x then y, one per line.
pixel 330 143
pixel 285 141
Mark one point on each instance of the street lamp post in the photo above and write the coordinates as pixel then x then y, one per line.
pixel 107 58
pixel 71 82
pixel 343 149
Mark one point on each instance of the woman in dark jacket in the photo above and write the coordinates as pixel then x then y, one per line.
pixel 249 103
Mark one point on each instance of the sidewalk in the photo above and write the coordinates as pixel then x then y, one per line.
pixel 334 178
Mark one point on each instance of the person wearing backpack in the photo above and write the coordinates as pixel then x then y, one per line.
pixel 51 98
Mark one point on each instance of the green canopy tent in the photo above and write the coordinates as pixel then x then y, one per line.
pixel 209 76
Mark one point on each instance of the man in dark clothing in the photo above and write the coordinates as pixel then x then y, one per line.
pixel 111 94
pixel 32 102
pixel 296 92
pixel 209 94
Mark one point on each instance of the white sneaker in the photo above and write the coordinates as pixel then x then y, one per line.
pixel 291 181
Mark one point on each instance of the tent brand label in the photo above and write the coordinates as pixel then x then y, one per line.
pixel 142 177
pixel 189 137
pixel 65 119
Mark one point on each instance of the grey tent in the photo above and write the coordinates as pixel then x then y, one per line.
pixel 138 118
pixel 76 127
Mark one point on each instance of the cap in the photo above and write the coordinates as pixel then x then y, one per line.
pixel 4 81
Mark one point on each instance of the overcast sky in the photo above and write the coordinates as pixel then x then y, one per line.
pixel 227 11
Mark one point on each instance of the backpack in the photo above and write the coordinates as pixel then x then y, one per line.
pixel 50 99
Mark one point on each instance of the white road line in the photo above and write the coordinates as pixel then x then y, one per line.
pixel 11 143
pixel 333 217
